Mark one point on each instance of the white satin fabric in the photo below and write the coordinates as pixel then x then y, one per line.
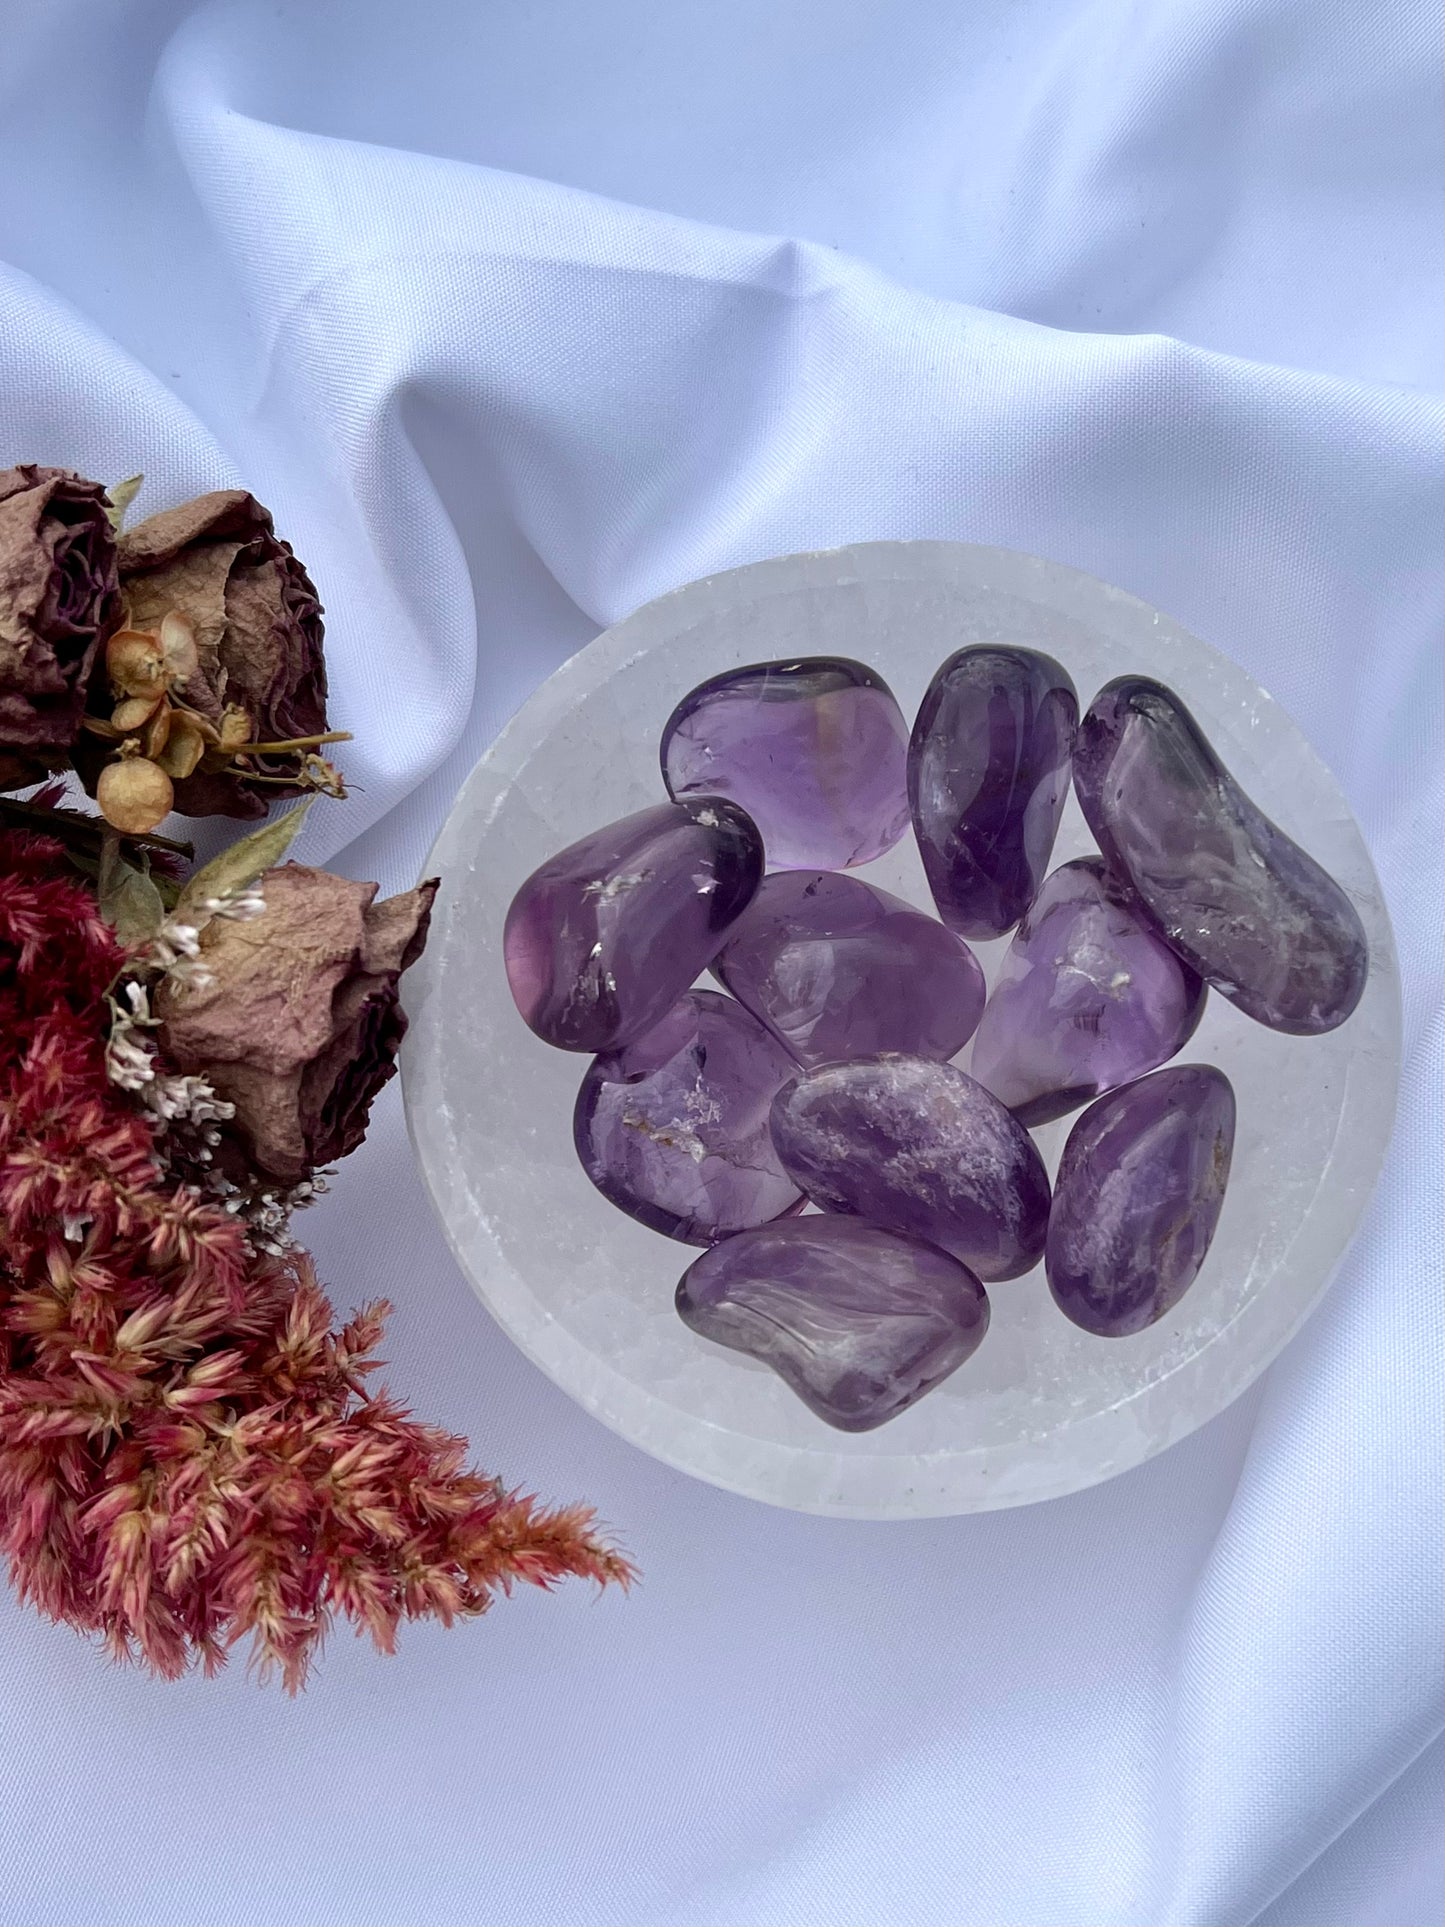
pixel 518 314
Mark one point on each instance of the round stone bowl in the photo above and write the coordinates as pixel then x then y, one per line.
pixel 1042 1408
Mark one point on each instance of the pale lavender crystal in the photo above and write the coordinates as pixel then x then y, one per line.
pixel 923 1149
pixel 837 968
pixel 604 938
pixel 1137 1198
pixel 988 774
pixel 1235 897
pixel 859 1321
pixel 673 1128
pixel 814 749
pixel 1087 997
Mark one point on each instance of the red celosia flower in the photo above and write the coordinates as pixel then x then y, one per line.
pixel 188 1452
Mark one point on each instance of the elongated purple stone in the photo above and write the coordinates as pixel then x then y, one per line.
pixel 1229 892
pixel 1138 1196
pixel 922 1149
pixel 838 968
pixel 859 1321
pixel 1087 997
pixel 814 749
pixel 988 774
pixel 673 1128
pixel 604 938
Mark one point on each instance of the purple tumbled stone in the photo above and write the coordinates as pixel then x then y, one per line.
pixel 921 1148
pixel 837 968
pixel 859 1321
pixel 1138 1196
pixel 1235 897
pixel 604 938
pixel 988 774
pixel 814 749
pixel 1087 997
pixel 673 1128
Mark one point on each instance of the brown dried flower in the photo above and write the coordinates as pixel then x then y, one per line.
pixel 218 564
pixel 58 602
pixel 300 1022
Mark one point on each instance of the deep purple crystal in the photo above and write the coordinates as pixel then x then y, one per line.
pixel 859 1321
pixel 1235 897
pixel 837 968
pixel 988 774
pixel 673 1128
pixel 1087 997
pixel 814 749
pixel 921 1148
pixel 604 938
pixel 1138 1196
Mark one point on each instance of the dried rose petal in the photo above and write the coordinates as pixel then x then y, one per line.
pixel 300 1024
pixel 58 601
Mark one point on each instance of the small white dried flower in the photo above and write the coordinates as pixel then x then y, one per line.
pixel 240 906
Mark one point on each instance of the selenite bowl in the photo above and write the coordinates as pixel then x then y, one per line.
pixel 1043 1408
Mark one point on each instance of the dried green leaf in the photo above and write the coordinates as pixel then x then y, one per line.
pixel 122 494
pixel 242 863
pixel 129 901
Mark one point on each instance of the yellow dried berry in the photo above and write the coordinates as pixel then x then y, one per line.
pixel 133 712
pixel 157 732
pixel 178 646
pixel 134 795
pixel 185 745
pixel 136 663
pixel 235 729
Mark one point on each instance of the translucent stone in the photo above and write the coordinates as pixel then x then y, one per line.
pixel 836 968
pixel 586 1292
pixel 1239 900
pixel 1138 1195
pixel 1087 997
pixel 859 1321
pixel 988 775
pixel 604 937
pixel 813 748
pixel 673 1128
pixel 923 1149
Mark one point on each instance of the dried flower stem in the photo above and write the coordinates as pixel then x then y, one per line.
pixel 296 742
pixel 75 826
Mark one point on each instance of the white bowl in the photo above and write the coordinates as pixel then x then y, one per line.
pixel 1042 1408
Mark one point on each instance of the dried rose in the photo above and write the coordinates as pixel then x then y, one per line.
pixel 300 1022
pixel 256 620
pixel 58 602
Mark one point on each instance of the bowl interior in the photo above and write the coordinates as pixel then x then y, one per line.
pixel 1042 1408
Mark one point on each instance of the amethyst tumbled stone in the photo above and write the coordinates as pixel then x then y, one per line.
pixel 1235 897
pixel 814 749
pixel 837 968
pixel 1138 1196
pixel 988 774
pixel 604 938
pixel 673 1128
pixel 922 1149
pixel 1087 997
pixel 859 1321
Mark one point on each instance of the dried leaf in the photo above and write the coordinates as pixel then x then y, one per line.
pixel 122 494
pixel 129 901
pixel 243 862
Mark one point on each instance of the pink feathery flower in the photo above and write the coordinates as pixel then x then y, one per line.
pixel 189 1456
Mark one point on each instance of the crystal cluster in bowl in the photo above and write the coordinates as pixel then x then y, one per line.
pixel 823 1079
